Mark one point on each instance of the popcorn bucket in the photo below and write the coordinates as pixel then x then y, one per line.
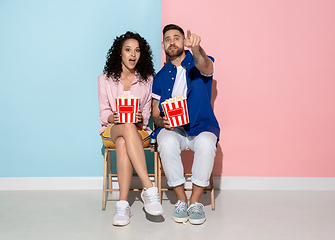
pixel 127 109
pixel 176 112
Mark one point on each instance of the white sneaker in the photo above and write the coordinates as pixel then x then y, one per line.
pixel 151 202
pixel 122 215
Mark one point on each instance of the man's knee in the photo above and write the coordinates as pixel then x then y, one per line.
pixel 167 140
pixel 206 141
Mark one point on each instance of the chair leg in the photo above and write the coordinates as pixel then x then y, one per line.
pixel 155 168
pixel 110 184
pixel 212 192
pixel 159 169
pixel 104 189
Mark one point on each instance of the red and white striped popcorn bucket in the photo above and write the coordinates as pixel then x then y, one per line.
pixel 176 112
pixel 127 109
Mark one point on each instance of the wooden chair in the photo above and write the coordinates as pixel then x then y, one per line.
pixel 210 188
pixel 108 175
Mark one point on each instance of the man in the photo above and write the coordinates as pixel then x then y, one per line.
pixel 188 75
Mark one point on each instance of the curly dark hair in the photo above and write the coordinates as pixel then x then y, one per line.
pixel 144 66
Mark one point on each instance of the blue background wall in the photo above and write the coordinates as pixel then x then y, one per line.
pixel 51 54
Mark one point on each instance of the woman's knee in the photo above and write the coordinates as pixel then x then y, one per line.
pixel 120 141
pixel 124 129
pixel 129 128
pixel 120 145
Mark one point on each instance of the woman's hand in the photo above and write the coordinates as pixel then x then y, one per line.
pixel 113 118
pixel 139 116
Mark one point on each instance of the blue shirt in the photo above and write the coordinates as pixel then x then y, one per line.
pixel 199 92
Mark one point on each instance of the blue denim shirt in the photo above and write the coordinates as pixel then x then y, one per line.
pixel 199 90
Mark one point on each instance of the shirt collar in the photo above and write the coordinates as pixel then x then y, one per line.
pixel 187 61
pixel 136 78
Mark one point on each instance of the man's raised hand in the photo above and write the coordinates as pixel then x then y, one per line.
pixel 192 40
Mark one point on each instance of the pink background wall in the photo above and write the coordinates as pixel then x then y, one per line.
pixel 274 85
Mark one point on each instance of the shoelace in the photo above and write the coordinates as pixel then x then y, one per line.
pixel 121 210
pixel 195 207
pixel 179 206
pixel 153 197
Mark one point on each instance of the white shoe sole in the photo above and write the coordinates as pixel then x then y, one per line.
pixel 179 220
pixel 153 213
pixel 123 223
pixel 197 221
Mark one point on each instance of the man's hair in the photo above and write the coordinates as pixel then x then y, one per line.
pixel 172 27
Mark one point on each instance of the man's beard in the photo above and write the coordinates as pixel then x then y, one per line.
pixel 178 53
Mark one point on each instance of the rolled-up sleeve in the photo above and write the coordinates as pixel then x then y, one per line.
pixel 147 103
pixel 105 108
pixel 156 90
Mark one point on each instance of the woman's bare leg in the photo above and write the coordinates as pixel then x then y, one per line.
pixel 124 168
pixel 134 149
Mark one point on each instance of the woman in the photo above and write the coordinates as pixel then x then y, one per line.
pixel 128 71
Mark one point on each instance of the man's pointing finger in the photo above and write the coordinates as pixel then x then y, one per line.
pixel 188 33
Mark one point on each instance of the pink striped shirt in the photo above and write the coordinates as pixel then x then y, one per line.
pixel 108 90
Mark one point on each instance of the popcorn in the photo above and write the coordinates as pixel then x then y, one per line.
pixel 174 99
pixel 127 107
pixel 128 96
pixel 176 111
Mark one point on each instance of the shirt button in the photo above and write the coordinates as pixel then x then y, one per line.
pixel 169 89
pixel 172 78
pixel 169 71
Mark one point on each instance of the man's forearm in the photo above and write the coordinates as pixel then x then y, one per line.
pixel 156 118
pixel 202 62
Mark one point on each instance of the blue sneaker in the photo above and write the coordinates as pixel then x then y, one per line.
pixel 179 214
pixel 196 213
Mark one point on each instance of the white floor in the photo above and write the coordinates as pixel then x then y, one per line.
pixel 239 215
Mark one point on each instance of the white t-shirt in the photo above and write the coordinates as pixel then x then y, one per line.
pixel 180 85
